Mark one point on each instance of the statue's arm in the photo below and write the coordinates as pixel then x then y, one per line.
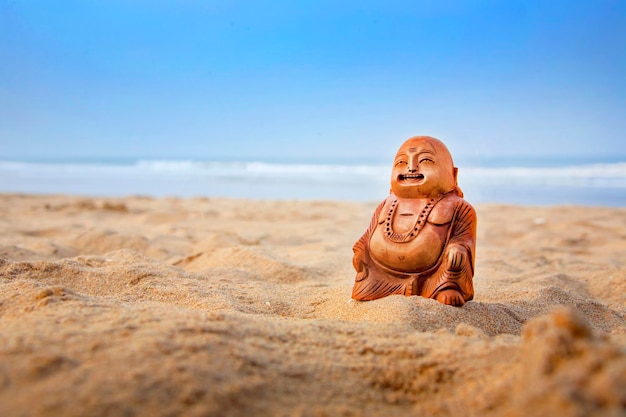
pixel 361 246
pixel 463 236
pixel 457 268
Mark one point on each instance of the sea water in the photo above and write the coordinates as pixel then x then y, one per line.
pixel 529 182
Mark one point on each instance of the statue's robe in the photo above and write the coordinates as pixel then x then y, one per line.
pixel 453 269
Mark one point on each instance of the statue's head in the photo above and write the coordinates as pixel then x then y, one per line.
pixel 423 168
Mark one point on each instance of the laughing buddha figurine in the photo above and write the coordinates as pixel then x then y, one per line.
pixel 422 238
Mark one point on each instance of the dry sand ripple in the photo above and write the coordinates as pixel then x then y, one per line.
pixel 143 306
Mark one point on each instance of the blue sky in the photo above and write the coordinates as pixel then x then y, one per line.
pixel 311 79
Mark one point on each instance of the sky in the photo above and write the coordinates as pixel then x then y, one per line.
pixel 308 80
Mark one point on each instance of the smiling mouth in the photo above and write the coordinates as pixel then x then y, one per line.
pixel 411 177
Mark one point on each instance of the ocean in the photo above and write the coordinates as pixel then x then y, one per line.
pixel 528 182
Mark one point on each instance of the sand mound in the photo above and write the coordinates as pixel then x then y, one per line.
pixel 18 253
pixel 567 367
pixel 259 264
pixel 97 242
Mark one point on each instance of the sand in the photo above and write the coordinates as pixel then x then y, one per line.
pixel 218 307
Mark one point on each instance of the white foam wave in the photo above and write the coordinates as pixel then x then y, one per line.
pixel 601 175
pixel 261 168
pixel 580 171
pixel 598 175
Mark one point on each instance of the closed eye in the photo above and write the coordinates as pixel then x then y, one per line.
pixel 426 160
pixel 400 162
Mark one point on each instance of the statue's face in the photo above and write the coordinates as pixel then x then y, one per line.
pixel 422 168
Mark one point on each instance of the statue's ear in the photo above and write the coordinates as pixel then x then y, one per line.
pixel 457 189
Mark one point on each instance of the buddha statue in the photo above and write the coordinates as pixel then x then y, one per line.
pixel 422 238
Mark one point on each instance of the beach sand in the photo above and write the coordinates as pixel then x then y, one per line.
pixel 216 307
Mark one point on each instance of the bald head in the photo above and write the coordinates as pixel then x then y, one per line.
pixel 422 168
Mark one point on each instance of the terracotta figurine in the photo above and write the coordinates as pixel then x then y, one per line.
pixel 422 238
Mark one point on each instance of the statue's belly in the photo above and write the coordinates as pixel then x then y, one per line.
pixel 415 256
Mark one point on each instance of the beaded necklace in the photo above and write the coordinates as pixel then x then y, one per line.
pixel 417 227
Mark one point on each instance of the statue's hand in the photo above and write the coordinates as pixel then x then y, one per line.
pixel 457 257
